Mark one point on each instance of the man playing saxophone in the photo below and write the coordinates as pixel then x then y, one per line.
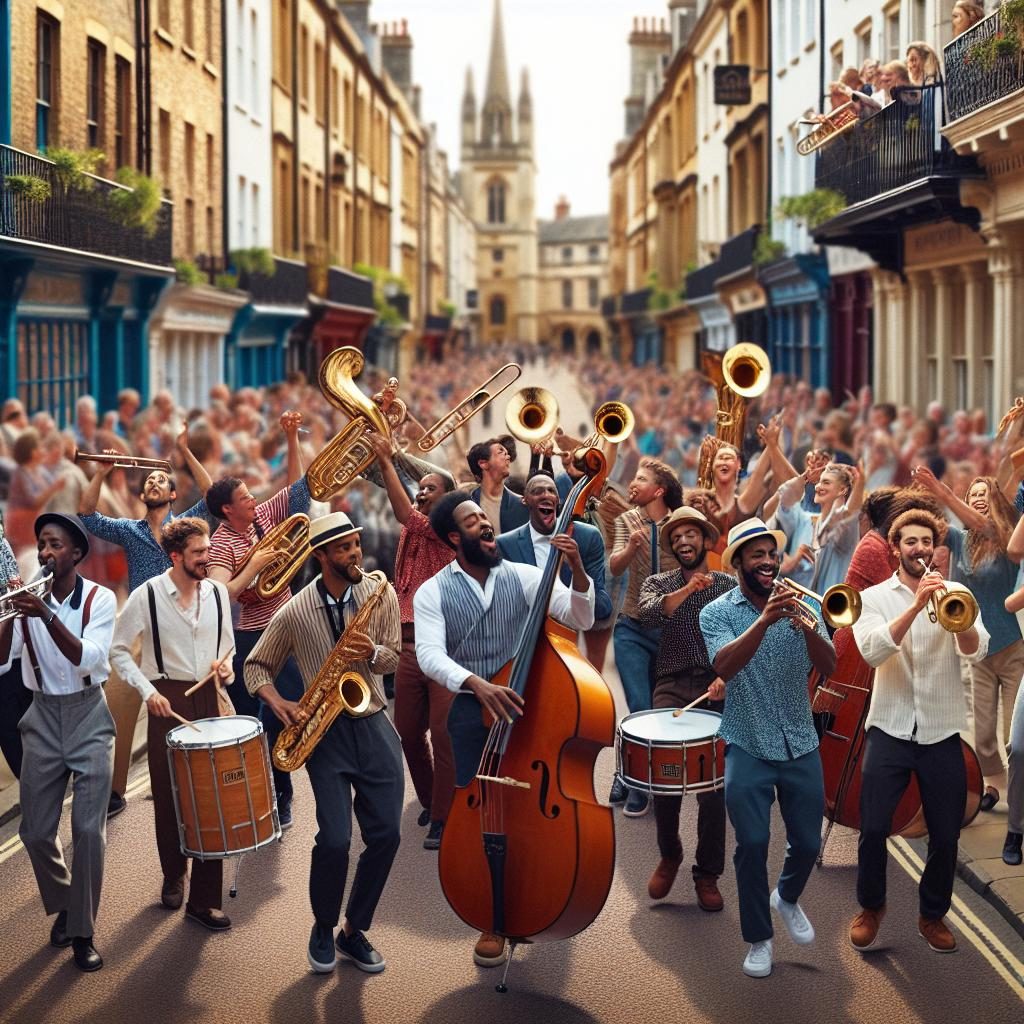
pixel 354 754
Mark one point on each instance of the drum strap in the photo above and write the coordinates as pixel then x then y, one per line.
pixel 158 653
pixel 27 638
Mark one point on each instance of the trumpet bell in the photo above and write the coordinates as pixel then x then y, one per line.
pixel 614 421
pixel 956 611
pixel 746 369
pixel 840 606
pixel 532 415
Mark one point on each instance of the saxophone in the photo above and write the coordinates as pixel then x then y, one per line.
pixel 335 689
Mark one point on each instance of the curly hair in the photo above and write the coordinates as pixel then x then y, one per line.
pixel 665 477
pixel 176 534
pixel 985 545
pixel 917 517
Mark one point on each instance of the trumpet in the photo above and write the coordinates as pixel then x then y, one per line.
pixel 840 604
pixel 38 588
pixel 289 541
pixel 954 610
pixel 469 406
pixel 124 461
pixel 837 121
pixel 532 415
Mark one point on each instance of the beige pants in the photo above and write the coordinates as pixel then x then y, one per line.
pixel 125 705
pixel 995 679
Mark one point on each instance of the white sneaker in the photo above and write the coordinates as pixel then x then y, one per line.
pixel 800 929
pixel 758 963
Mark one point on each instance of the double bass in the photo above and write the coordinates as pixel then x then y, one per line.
pixel 528 853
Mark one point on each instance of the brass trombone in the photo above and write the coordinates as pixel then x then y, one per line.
pixel 469 406
pixel 124 461
pixel 840 604
pixel 954 610
pixel 532 415
pixel 836 122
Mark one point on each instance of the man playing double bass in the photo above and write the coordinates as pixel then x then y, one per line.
pixel 467 617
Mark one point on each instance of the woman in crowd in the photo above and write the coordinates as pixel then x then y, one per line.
pixel 966 14
pixel 30 489
pixel 922 64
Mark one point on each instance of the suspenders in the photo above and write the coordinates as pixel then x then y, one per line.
pixel 158 652
pixel 27 637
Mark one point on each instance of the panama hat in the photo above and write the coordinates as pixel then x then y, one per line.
pixel 685 514
pixel 330 527
pixel 743 533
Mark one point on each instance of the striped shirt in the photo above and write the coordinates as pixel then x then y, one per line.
pixel 917 694
pixel 303 628
pixel 421 554
pixel 228 549
pixel 645 561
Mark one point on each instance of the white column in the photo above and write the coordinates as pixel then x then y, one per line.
pixel 880 383
pixel 1006 263
pixel 974 276
pixel 918 342
pixel 896 356
pixel 943 279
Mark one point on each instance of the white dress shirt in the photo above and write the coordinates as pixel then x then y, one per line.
pixel 59 675
pixel 917 694
pixel 573 607
pixel 188 636
pixel 541 546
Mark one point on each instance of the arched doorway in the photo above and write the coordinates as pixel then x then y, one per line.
pixel 568 341
pixel 593 343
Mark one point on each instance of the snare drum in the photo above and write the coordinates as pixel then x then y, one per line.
pixel 223 791
pixel 657 753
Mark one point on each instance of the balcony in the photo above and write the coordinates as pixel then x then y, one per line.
pixel 737 254
pixel 76 219
pixel 702 282
pixel 400 303
pixel 287 286
pixel 348 289
pixel 895 170
pixel 636 303
pixel 977 72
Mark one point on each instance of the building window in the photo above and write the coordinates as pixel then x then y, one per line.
pixel 318 82
pixel 163 15
pixel 496 202
pixel 122 112
pixel 189 20
pixel 892 33
pixel 208 29
pixel 190 155
pixel 240 224
pixel 96 63
pixel 497 311
pixel 212 177
pixel 594 253
pixel 240 53
pixel 304 64
pixel 592 292
pixel 335 99
pixel 190 228
pixel 567 295
pixel 254 69
pixel 282 45
pixel 165 149
pixel 567 254
pixel 47 72
pixel 864 47
pixel 837 61
pixel 498 255
pixel 918 30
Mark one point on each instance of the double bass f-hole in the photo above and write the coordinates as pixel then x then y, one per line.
pixel 542 798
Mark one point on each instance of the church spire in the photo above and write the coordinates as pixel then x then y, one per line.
pixel 497 108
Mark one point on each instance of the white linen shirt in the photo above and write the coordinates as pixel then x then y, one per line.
pixel 541 546
pixel 59 675
pixel 188 641
pixel 571 607
pixel 918 694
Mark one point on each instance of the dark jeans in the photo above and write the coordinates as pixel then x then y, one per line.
pixel 942 779
pixel 15 700
pixel 288 683
pixel 361 755
pixel 751 785
pixel 709 859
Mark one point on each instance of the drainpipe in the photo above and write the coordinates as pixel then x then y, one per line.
pixel 225 134
pixel 5 72
pixel 143 109
pixel 353 254
pixel 295 129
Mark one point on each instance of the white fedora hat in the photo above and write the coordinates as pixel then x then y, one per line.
pixel 330 527
pixel 743 533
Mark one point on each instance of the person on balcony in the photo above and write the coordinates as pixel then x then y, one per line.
pixel 869 75
pixel 922 64
pixel 966 14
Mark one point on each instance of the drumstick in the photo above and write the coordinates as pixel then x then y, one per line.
pixel 185 721
pixel 216 667
pixel 691 705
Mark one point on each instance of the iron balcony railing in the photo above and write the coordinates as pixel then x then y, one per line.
pixel 899 144
pixel 81 219
pixel 982 65
pixel 349 289
pixel 636 302
pixel 400 302
pixel 287 286
pixel 738 252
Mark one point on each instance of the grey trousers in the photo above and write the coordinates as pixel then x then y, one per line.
pixel 62 736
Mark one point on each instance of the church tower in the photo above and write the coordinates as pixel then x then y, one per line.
pixel 498 177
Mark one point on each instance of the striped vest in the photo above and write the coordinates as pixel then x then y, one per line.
pixel 477 640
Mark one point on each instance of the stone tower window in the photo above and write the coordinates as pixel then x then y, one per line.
pixel 497 311
pixel 496 193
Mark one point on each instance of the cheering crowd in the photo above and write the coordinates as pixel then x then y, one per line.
pixel 678 571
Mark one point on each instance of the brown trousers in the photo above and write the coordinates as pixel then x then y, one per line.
pixel 125 705
pixel 709 859
pixel 422 705
pixel 205 888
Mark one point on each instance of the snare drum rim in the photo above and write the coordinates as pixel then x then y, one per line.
pixel 646 741
pixel 185 730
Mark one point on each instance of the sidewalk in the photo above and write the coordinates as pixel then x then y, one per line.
pixel 981 865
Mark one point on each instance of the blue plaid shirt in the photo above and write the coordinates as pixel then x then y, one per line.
pixel 767 709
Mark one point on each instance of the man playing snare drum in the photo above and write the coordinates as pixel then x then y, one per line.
pixel 184 620
pixel 672 601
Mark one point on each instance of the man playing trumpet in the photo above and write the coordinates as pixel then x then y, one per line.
pixel 355 754
pixel 914 725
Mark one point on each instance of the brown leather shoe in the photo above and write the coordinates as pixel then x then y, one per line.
pixel 173 893
pixel 864 928
pixel 489 950
pixel 664 875
pixel 936 934
pixel 708 896
pixel 215 920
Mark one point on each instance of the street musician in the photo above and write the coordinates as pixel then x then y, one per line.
pixel 341 619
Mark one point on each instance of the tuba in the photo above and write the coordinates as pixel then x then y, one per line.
pixel 289 541
pixel 348 453
pixel 335 689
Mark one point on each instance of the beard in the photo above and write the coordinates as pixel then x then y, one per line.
pixel 690 562
pixel 912 567
pixel 197 572
pixel 151 502
pixel 754 583
pixel 474 553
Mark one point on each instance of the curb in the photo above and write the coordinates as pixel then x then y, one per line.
pixel 981 882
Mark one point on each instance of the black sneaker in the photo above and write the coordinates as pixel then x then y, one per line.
pixel 321 954
pixel 358 949
pixel 284 816
pixel 619 792
pixel 637 804
pixel 424 819
pixel 433 840
pixel 115 805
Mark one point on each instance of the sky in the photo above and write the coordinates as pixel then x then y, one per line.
pixel 578 59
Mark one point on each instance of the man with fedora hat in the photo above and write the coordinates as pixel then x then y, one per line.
pixel 671 602
pixel 361 755
pixel 63 639
pixel 764 642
